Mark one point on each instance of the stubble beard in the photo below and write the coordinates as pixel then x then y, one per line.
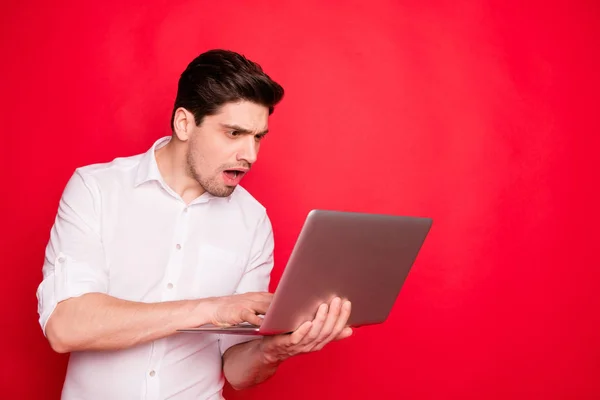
pixel 211 185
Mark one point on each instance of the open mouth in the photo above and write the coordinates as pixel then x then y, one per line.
pixel 233 176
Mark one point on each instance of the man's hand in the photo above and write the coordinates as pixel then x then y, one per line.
pixel 239 308
pixel 329 324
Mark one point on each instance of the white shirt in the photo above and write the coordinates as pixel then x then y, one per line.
pixel 122 231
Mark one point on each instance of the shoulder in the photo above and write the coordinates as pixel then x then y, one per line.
pixel 86 183
pixel 116 168
pixel 108 176
pixel 94 179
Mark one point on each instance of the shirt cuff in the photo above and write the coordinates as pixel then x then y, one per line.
pixel 69 279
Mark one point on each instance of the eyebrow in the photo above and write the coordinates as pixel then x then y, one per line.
pixel 243 130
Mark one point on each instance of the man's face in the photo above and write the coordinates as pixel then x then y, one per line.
pixel 225 145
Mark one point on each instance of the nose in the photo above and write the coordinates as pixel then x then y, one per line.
pixel 249 150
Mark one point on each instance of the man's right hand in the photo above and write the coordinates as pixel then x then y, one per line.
pixel 239 308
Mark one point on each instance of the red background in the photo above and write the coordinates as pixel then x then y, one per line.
pixel 482 115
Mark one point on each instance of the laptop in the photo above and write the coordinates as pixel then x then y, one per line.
pixel 362 257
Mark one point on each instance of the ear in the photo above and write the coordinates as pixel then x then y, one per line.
pixel 183 124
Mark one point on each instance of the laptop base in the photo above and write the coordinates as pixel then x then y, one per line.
pixel 241 329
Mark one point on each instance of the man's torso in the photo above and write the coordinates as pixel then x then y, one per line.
pixel 156 249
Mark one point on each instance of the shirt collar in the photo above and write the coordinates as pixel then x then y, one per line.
pixel 148 171
pixel 148 168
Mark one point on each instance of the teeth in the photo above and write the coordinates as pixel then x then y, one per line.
pixel 235 174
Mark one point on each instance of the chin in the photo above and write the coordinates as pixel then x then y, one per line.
pixel 224 191
pixel 216 188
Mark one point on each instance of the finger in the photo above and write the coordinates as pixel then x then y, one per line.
pixel 260 307
pixel 342 319
pixel 317 325
pixel 251 317
pixel 334 312
pixel 340 330
pixel 346 332
pixel 299 334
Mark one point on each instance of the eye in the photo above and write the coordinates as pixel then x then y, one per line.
pixel 259 137
pixel 234 133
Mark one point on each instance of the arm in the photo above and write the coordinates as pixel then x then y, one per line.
pixel 253 362
pixel 245 365
pixel 96 321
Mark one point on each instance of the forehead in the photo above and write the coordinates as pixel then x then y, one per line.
pixel 245 114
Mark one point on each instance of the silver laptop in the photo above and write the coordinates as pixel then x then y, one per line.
pixel 364 258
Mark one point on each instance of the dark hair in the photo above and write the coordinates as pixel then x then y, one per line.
pixel 220 76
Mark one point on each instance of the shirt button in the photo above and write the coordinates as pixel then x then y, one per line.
pixel 152 373
pixel 61 259
pixel 169 285
pixel 178 246
pixel 185 209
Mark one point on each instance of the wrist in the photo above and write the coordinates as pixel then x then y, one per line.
pixel 268 354
pixel 199 312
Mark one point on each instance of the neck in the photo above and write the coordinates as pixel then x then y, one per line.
pixel 173 167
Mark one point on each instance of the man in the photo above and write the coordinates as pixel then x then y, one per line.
pixel 145 245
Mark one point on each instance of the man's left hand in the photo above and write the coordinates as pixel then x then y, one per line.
pixel 329 324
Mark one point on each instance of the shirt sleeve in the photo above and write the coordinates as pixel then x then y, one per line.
pixel 257 275
pixel 74 261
